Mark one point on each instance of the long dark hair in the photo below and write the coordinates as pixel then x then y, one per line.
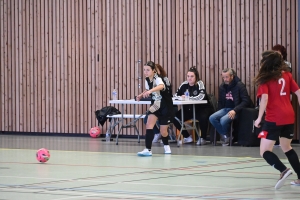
pixel 150 64
pixel 281 49
pixel 195 71
pixel 162 71
pixel 271 67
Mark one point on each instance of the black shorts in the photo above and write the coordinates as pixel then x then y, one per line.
pixel 165 115
pixel 274 132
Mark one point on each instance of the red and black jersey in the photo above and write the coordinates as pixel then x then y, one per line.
pixel 279 108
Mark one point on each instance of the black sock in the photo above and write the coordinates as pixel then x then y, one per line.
pixel 165 140
pixel 294 161
pixel 274 161
pixel 149 138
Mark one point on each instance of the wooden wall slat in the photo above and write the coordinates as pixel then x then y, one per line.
pixel 62 59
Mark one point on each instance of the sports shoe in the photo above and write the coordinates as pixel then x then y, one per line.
pixel 145 152
pixel 283 177
pixel 167 149
pixel 296 182
pixel 188 139
pixel 157 138
pixel 201 141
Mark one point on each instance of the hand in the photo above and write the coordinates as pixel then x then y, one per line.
pixel 257 123
pixel 231 114
pixel 138 98
pixel 146 94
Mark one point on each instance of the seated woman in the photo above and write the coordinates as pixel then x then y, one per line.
pixel 197 91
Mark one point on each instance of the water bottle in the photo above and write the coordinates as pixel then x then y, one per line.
pixel 187 95
pixel 107 135
pixel 114 94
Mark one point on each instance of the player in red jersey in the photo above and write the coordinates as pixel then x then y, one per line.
pixel 275 85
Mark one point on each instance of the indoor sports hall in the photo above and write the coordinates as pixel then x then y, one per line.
pixel 62 62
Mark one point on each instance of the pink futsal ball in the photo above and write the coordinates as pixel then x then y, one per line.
pixel 95 132
pixel 42 155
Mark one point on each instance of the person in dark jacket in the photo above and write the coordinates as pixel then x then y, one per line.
pixel 233 96
pixel 197 91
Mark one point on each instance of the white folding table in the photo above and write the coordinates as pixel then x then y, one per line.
pixel 133 123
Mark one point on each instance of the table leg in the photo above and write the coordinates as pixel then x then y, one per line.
pixel 179 142
pixel 122 120
pixel 194 122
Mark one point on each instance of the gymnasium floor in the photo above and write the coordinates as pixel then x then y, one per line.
pixel 83 168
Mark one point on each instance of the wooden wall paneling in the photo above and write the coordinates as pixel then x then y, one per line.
pixel 36 70
pixel 256 44
pixel 90 63
pixel 211 66
pixel 59 66
pixel 215 71
pixel 81 66
pixel 294 29
pixel 16 122
pixel 238 34
pixel 242 43
pixel 283 21
pixel 225 36
pixel 85 68
pixel 172 44
pixel 260 29
pixel 246 69
pixel 278 22
pixel 97 70
pixel 207 41
pixel 159 32
pixel 270 24
pixel 11 64
pixel 2 92
pixel 65 126
pixel 198 37
pixel 103 51
pixel 92 75
pixel 194 35
pixel 30 70
pixel 185 50
pixel 169 54
pixel 288 28
pixel 251 41
pixel 229 33
pixel 50 62
pixel 54 52
pixel 274 23
pixel 166 38
pixel 42 65
pixel 25 32
pixel 233 34
pixel 220 41
pixel 71 67
pixel 189 35
pixel 202 40
pixel 4 63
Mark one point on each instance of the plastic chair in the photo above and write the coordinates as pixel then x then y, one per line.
pixel 187 123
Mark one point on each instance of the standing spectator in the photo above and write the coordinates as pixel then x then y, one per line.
pixel 275 85
pixel 197 91
pixel 233 96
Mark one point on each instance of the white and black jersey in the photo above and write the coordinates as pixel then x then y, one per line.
pixel 160 100
pixel 197 92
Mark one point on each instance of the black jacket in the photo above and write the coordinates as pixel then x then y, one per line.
pixel 239 92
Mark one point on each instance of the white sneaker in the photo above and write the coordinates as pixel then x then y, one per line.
pixel 145 152
pixel 201 141
pixel 188 139
pixel 157 138
pixel 283 177
pixel 167 149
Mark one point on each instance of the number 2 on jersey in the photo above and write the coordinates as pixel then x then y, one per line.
pixel 282 81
